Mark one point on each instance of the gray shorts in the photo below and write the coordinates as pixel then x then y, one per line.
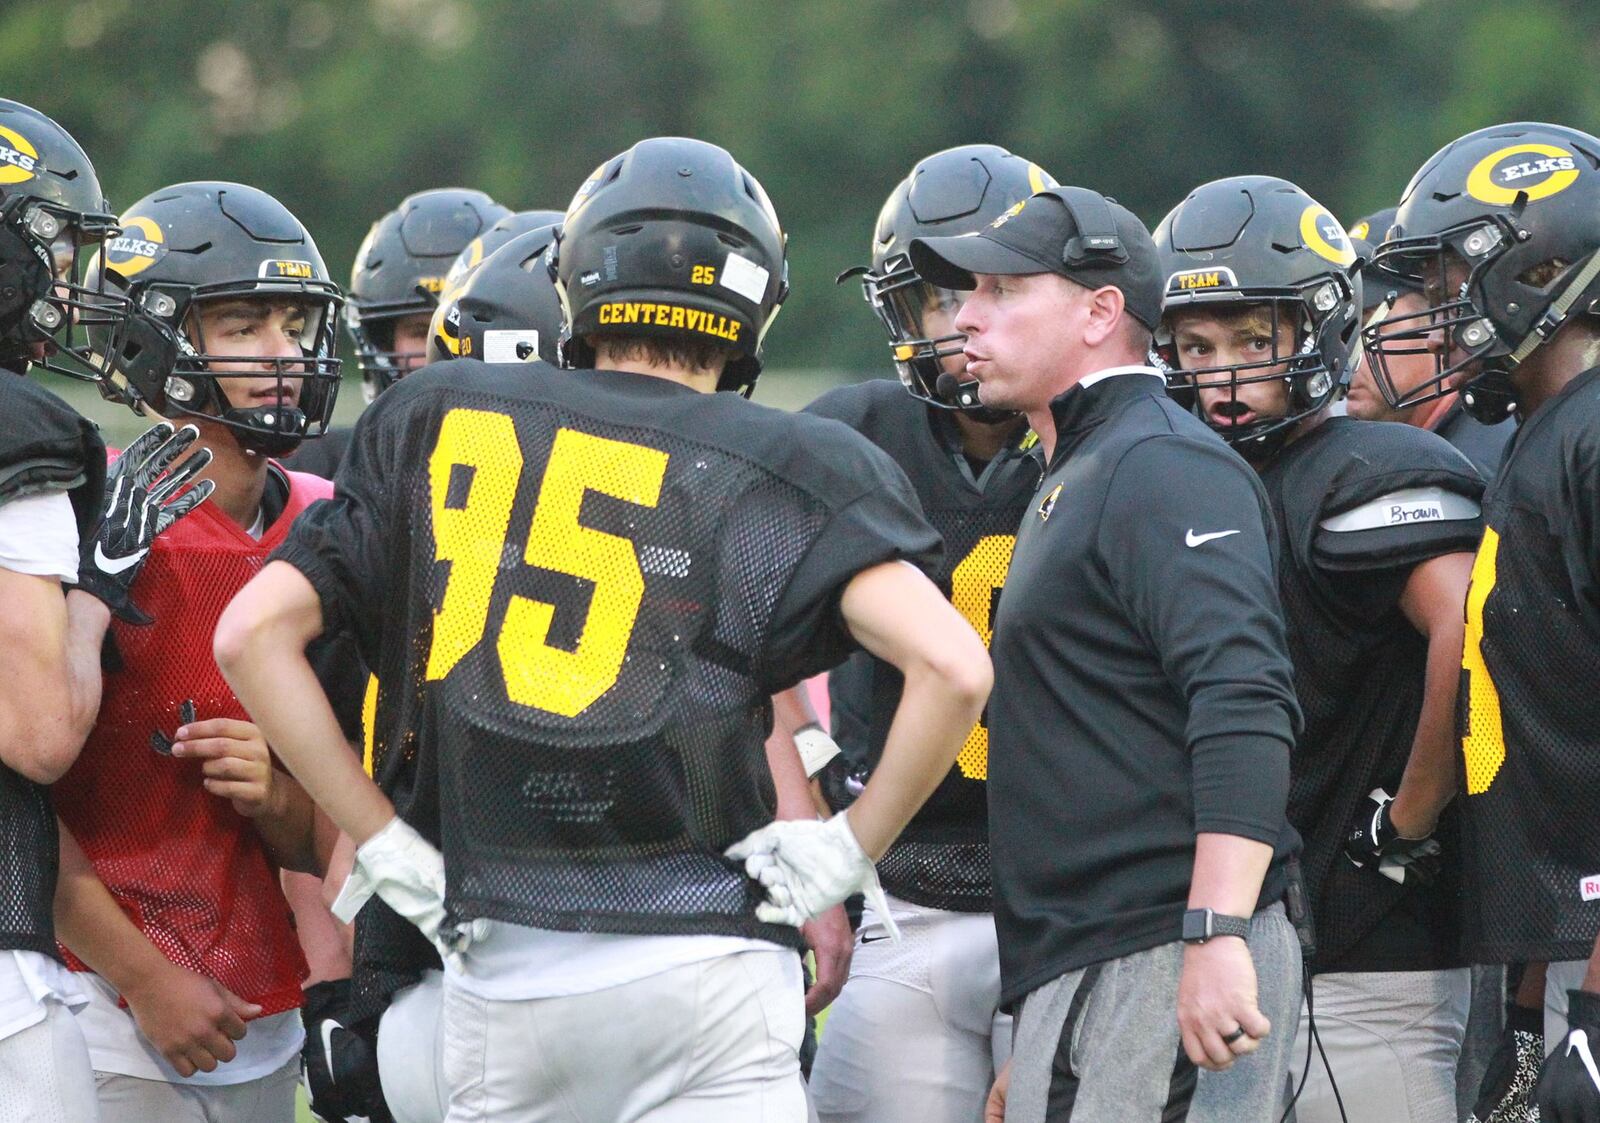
pixel 1102 1043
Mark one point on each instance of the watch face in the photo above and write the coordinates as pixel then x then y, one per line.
pixel 1194 925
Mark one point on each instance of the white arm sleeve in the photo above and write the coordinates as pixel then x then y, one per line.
pixel 39 536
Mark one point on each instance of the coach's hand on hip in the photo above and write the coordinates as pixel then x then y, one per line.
pixel 1217 999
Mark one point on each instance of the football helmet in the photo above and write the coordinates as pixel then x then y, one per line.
pixel 956 191
pixel 51 206
pixel 1261 241
pixel 400 271
pixel 506 310
pixel 672 238
pixel 1499 229
pixel 480 248
pixel 192 243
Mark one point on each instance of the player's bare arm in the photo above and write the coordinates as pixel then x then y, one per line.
pixel 49 704
pixel 1432 601
pixel 192 1020
pixel 900 616
pixel 897 614
pixel 260 647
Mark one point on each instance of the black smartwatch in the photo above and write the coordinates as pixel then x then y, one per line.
pixel 1200 925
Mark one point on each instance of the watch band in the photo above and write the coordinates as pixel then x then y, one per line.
pixel 1200 925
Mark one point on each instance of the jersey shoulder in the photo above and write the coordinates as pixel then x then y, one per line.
pixel 45 444
pixel 829 458
pixel 1376 494
pixel 866 406
pixel 1359 461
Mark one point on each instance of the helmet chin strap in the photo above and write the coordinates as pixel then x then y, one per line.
pixel 267 430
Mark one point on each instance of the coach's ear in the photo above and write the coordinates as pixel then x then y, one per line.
pixel 1106 312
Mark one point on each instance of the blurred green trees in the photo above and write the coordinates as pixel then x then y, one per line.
pixel 341 107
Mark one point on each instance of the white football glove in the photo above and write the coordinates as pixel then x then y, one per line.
pixel 403 868
pixel 807 867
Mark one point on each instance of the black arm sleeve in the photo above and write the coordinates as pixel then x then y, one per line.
pixel 1209 606
pixel 339 544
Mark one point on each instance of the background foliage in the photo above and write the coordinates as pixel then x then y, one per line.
pixel 341 107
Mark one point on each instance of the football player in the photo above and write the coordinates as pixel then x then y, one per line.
pixel 57 529
pixel 1376 524
pixel 179 823
pixel 633 566
pixel 1403 368
pixel 382 1057
pixel 395 284
pixel 1499 229
pixel 916 1036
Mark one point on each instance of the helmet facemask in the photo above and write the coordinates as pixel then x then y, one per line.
pixel 195 382
pixel 1303 365
pixel 51 297
pixel 1450 268
pixel 903 301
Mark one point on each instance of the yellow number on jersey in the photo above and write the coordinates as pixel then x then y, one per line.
pixel 972 587
pixel 472 537
pixel 569 682
pixel 1483 742
pixel 369 725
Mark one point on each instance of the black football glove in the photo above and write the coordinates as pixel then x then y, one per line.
pixel 141 501
pixel 1506 1094
pixel 1374 844
pixel 338 1066
pixel 1569 1083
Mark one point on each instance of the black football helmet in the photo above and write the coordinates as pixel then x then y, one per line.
pixel 1377 287
pixel 51 206
pixel 506 310
pixel 1500 231
pixel 1259 241
pixel 672 238
pixel 191 243
pixel 956 191
pixel 480 248
pixel 400 271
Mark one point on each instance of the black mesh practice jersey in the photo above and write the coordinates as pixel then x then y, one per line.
pixel 942 858
pixel 579 590
pixel 1359 504
pixel 1530 712
pixel 45 446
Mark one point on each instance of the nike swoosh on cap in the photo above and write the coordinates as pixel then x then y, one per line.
pixel 1192 539
pixel 116 565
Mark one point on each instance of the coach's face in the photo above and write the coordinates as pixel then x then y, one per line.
pixel 1020 332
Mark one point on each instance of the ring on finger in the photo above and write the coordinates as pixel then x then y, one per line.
pixel 1230 1038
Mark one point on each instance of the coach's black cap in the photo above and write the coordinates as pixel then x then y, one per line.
pixel 1072 231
